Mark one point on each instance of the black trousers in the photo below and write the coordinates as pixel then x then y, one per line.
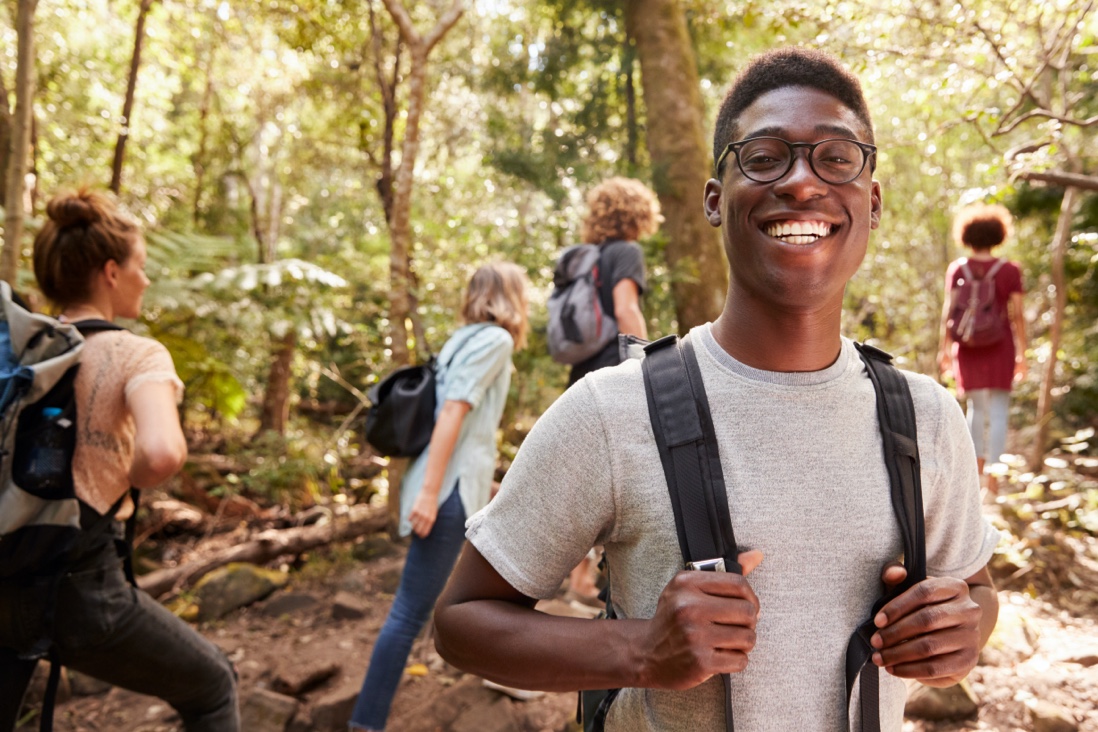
pixel 109 630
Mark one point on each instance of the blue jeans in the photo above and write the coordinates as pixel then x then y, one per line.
pixel 426 570
pixel 107 629
pixel 987 421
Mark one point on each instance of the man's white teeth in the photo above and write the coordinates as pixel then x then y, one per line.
pixel 798 232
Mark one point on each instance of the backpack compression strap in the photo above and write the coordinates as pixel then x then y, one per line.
pixel 896 417
pixel 683 429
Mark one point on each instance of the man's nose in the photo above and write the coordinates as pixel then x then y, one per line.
pixel 801 182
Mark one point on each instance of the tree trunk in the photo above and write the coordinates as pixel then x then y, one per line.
pixel 276 400
pixel 199 159
pixel 14 209
pixel 400 227
pixel 1044 399
pixel 628 66
pixel 5 138
pixel 131 88
pixel 680 160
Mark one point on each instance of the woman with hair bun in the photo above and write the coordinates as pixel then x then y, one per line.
pixel 89 260
pixel 452 479
pixel 984 367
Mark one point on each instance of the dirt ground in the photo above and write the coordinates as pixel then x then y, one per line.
pixel 1052 657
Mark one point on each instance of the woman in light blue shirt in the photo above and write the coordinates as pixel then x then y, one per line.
pixel 452 478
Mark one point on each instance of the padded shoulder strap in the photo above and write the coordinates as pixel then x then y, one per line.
pixel 95 325
pixel 683 429
pixel 899 439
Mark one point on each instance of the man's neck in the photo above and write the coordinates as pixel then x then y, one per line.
pixel 779 341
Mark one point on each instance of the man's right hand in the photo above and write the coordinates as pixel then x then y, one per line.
pixel 704 625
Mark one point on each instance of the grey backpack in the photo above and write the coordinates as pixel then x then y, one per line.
pixel 579 326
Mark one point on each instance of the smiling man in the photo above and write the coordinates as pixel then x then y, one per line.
pixel 808 490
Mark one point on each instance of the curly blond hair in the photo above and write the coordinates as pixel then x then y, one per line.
pixel 982 226
pixel 497 294
pixel 620 208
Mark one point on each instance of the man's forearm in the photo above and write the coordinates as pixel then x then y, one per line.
pixel 528 649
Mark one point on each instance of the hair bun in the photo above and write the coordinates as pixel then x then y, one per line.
pixel 75 209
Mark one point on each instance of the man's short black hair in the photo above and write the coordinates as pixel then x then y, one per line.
pixel 784 67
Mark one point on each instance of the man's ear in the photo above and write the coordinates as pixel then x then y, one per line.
pixel 712 201
pixel 875 206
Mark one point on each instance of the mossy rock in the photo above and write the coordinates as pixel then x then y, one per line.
pixel 233 586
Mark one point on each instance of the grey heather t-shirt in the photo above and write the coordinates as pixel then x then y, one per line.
pixel 807 486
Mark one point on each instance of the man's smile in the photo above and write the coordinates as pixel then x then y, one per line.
pixel 798 232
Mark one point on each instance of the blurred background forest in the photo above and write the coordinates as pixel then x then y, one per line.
pixel 318 178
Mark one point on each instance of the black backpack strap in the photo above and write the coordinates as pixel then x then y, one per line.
pixel 896 418
pixel 95 325
pixel 683 430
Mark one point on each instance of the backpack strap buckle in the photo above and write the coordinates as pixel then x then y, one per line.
pixel 707 565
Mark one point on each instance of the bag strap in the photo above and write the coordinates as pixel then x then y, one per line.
pixel 683 430
pixel 95 325
pixel 896 419
pixel 463 343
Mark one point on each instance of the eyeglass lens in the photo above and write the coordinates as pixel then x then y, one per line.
pixel 767 159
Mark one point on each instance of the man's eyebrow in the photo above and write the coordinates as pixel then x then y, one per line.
pixel 837 130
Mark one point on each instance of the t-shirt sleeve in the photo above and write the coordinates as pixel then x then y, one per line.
pixel 959 539
pixel 626 262
pixel 556 501
pixel 150 362
pixel 1012 279
pixel 476 364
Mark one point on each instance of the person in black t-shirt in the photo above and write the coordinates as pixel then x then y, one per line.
pixel 620 211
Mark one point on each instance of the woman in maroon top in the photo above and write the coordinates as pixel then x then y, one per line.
pixel 984 372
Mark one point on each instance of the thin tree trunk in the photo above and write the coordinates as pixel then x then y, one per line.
pixel 680 158
pixel 14 208
pixel 131 88
pixel 1044 399
pixel 5 138
pixel 199 160
pixel 276 401
pixel 629 56
pixel 400 227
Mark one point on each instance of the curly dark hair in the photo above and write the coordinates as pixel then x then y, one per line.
pixel 620 208
pixel 782 67
pixel 982 226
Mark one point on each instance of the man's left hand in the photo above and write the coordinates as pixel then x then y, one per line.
pixel 930 633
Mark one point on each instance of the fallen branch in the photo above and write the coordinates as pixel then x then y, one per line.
pixel 268 545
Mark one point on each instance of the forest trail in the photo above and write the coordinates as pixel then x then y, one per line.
pixel 310 628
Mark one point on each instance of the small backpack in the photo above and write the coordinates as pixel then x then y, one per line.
pixel 40 515
pixel 683 429
pixel 402 416
pixel 975 320
pixel 579 326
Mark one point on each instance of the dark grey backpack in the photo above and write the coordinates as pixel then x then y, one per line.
pixel 579 326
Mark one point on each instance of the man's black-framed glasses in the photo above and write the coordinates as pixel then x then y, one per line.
pixel 767 159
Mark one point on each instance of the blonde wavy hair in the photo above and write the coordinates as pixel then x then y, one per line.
pixel 982 226
pixel 620 208
pixel 497 294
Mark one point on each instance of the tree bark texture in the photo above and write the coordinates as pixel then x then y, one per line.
pixel 5 138
pixel 1048 381
pixel 131 88
pixel 276 401
pixel 267 546
pixel 680 158
pixel 400 226
pixel 20 141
